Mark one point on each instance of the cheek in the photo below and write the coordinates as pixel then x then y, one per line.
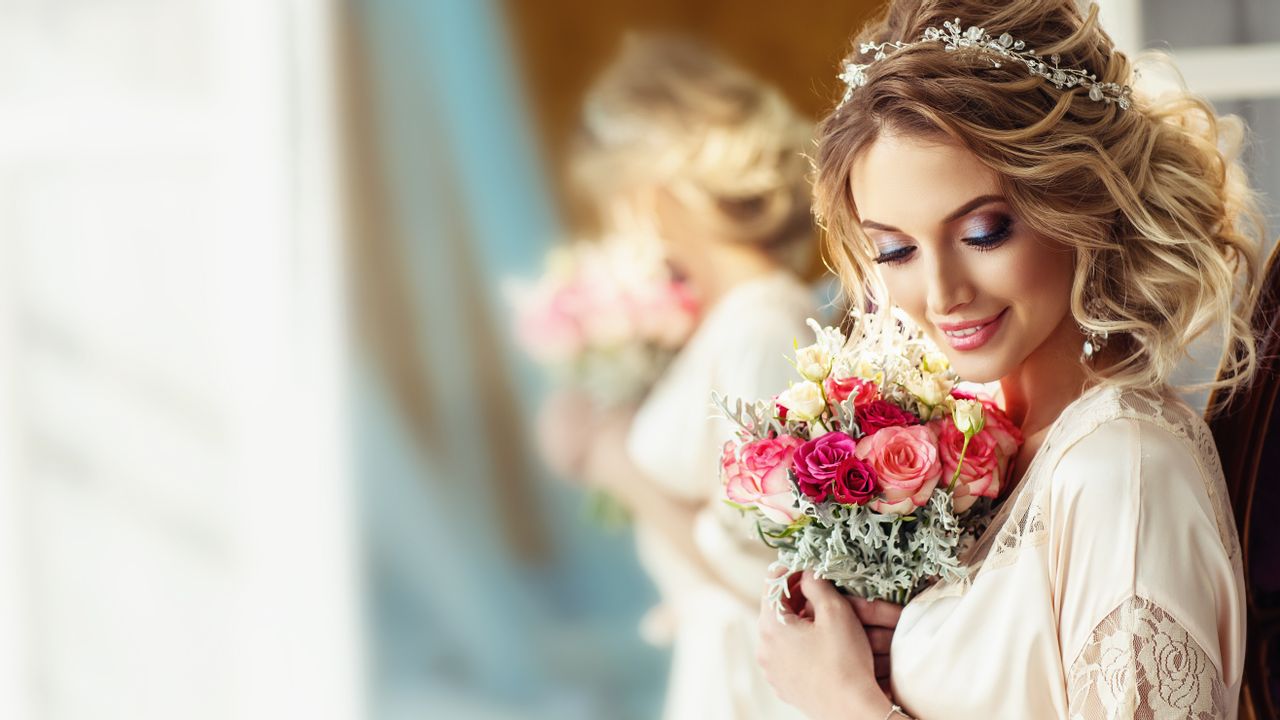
pixel 906 290
pixel 1036 278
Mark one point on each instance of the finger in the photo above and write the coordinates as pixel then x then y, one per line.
pixel 877 613
pixel 882 665
pixel 881 640
pixel 827 602
pixel 806 612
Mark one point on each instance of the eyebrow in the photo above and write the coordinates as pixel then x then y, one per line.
pixel 959 212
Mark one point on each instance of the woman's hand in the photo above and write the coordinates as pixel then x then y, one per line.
pixel 879 618
pixel 825 665
pixel 606 459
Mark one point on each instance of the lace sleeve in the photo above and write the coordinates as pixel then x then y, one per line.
pixel 1140 663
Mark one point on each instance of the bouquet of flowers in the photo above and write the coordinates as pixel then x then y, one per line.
pixel 875 468
pixel 605 317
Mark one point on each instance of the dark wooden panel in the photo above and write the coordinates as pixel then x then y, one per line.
pixel 562 44
pixel 1248 438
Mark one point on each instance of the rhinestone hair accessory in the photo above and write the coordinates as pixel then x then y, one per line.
pixel 999 50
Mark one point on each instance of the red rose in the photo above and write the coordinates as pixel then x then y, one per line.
pixel 862 391
pixel 880 414
pixel 855 482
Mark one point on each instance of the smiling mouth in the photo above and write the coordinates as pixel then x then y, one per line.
pixel 973 336
pixel 966 332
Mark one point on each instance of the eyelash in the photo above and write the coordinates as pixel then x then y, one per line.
pixel 981 243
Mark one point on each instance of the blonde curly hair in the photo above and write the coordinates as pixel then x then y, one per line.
pixel 1152 199
pixel 669 112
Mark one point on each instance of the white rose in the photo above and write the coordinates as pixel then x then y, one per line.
pixel 803 401
pixel 934 362
pixel 929 389
pixel 814 363
pixel 968 416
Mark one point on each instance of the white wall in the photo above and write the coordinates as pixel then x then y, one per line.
pixel 175 536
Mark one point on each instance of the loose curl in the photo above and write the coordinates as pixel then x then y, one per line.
pixel 1164 226
pixel 670 112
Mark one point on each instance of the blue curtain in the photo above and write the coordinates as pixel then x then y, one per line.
pixel 463 622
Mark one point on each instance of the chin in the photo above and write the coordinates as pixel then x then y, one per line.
pixel 977 369
pixel 979 374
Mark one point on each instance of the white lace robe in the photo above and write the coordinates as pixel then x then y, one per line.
pixel 1110 585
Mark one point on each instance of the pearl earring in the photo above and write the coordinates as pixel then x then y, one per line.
pixel 1094 340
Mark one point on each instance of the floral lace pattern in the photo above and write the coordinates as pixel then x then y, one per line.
pixel 1140 663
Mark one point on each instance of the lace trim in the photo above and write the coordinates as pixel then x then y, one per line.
pixel 1140 663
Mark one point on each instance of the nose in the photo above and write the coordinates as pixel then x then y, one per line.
pixel 950 287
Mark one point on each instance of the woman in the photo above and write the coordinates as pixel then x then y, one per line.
pixel 711 160
pixel 1050 231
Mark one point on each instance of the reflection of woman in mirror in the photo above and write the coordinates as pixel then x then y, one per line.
pixel 681 145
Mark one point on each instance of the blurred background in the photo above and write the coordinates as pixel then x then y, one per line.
pixel 264 447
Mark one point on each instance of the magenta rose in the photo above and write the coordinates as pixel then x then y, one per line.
pixel 855 482
pixel 906 463
pixel 816 463
pixel 755 475
pixel 879 414
pixel 841 389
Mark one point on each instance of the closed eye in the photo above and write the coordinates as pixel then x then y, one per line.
pixel 993 239
pixel 896 255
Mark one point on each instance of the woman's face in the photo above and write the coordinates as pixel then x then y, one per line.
pixel 953 255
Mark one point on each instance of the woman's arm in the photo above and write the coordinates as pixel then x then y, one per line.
pixel 609 467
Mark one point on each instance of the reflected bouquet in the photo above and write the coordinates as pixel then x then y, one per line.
pixel 875 468
pixel 605 317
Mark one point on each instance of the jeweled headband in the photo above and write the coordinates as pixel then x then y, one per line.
pixel 998 50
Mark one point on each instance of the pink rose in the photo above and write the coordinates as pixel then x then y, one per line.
pixel 855 482
pixel 879 414
pixel 816 462
pixel 983 467
pixel 549 334
pixel 666 313
pixel 989 457
pixel 906 463
pixel 840 389
pixel 1008 436
pixel 755 475
pixel 995 417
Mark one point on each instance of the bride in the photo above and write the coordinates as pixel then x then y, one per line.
pixel 1051 231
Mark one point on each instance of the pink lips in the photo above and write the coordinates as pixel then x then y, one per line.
pixel 986 329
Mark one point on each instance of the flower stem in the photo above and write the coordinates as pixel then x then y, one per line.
pixel 960 463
